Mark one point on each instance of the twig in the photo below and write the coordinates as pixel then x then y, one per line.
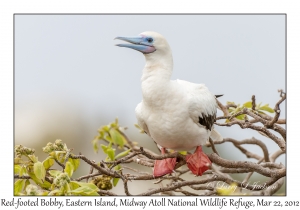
pixel 102 170
pixel 21 177
pixel 213 146
pixel 59 163
pixel 255 141
pixel 87 176
pixel 106 192
pixel 246 164
pixel 137 171
pixel 244 125
pixel 91 171
pixel 253 103
pixel 277 110
pixel 275 155
pixel 126 187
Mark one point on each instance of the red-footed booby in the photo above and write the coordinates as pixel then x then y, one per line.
pixel 176 114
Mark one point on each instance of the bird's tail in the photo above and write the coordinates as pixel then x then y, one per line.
pixel 217 96
pixel 215 135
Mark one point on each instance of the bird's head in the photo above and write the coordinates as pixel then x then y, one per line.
pixel 147 42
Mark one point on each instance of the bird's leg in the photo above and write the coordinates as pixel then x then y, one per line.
pixel 165 166
pixel 198 162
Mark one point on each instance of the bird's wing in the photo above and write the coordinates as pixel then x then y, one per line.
pixel 202 103
pixel 140 118
pixel 215 135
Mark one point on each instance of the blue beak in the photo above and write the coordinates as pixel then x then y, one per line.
pixel 139 43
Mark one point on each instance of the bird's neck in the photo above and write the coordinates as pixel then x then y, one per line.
pixel 156 78
pixel 158 66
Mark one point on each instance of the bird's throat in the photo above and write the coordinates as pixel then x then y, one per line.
pixel 156 77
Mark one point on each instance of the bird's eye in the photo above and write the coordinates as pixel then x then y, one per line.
pixel 149 40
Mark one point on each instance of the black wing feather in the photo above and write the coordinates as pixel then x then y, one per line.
pixel 207 121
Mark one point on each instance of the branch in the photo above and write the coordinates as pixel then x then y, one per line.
pixel 247 141
pixel 246 164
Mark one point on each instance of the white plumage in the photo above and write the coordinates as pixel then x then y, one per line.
pixel 170 113
pixel 176 114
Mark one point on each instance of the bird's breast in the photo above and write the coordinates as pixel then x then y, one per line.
pixel 165 110
pixel 171 126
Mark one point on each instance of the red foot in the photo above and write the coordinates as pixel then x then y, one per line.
pixel 162 167
pixel 198 162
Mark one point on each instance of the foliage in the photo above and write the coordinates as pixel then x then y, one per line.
pixel 50 181
pixel 59 182
pixel 234 109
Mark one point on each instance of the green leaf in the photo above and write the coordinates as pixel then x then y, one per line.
pixel 248 104
pixel 17 169
pixel 240 117
pixel 23 171
pixel 73 185
pixel 117 167
pixel 84 191
pixel 261 112
pixel 115 181
pixel 94 193
pixel 95 145
pixel 258 106
pixel 231 109
pixel 66 188
pixel 61 156
pixel 117 138
pixel 43 193
pixel 111 153
pixel 48 162
pixel 65 147
pixel 34 178
pixel 58 155
pixel 18 160
pixel 33 158
pixel 39 170
pixel 138 127
pixel 69 169
pixel 108 138
pixel 104 148
pixel 54 173
pixel 183 152
pixel 101 134
pixel 45 184
pixel 19 186
pixel 122 154
pixel 75 163
pixel 80 190
pixel 90 185
pixel 105 128
pixel 267 108
pixel 26 183
pixel 56 192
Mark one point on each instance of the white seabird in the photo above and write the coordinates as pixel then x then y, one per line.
pixel 176 114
